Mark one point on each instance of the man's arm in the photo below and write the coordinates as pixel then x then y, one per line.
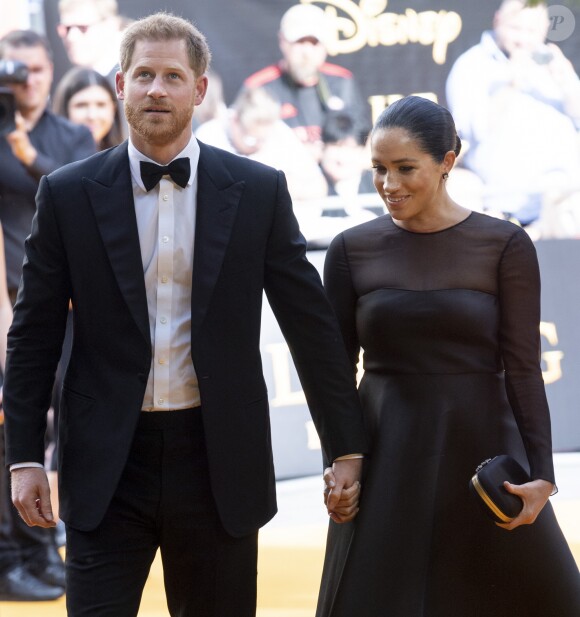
pixel 20 143
pixel 35 337
pixel 77 144
pixel 34 347
pixel 308 323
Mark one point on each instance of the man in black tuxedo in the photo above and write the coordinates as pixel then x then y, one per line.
pixel 164 437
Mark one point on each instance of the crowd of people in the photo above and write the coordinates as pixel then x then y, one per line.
pixel 74 249
pixel 516 100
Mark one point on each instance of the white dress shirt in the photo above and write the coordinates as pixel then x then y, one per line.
pixel 166 225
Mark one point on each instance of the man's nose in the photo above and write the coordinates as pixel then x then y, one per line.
pixel 157 88
pixel 75 34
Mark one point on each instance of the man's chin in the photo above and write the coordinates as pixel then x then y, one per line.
pixel 159 129
pixel 306 78
pixel 29 106
pixel 156 133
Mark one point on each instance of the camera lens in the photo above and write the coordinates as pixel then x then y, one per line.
pixel 13 72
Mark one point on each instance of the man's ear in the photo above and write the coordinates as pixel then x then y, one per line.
pixel 200 89
pixel 120 85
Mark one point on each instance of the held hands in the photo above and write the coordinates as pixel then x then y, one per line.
pixel 534 494
pixel 342 489
pixel 31 496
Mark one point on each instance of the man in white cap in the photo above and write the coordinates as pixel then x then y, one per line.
pixel 306 85
pixel 515 98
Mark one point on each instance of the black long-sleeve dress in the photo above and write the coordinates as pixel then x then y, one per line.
pixel 448 322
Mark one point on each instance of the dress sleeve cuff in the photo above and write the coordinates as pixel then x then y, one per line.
pixel 348 457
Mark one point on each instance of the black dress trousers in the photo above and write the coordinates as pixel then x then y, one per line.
pixel 164 500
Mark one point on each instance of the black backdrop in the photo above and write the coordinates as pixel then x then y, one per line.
pixel 243 37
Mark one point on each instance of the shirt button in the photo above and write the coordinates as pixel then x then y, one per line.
pixel 161 401
pixel 161 360
pixel 163 320
pixel 165 239
pixel 164 279
pixel 165 197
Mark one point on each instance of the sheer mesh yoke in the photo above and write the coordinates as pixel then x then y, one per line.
pixel 462 300
pixel 449 325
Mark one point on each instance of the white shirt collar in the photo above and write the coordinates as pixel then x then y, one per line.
pixel 190 151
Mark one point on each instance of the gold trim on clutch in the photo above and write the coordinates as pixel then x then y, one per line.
pixel 488 501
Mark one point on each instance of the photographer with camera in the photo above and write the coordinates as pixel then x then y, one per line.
pixel 33 143
pixel 516 100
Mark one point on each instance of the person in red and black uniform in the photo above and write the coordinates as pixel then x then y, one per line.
pixel 306 85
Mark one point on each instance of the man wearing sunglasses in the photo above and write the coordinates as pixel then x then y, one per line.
pixel 90 31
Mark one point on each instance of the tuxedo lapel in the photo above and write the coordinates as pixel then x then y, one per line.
pixel 111 197
pixel 218 196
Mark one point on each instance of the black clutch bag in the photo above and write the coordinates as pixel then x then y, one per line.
pixel 487 487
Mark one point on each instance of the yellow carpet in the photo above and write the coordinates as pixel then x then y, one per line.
pixel 288 585
pixel 289 570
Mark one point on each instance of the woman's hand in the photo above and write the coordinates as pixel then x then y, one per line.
pixel 534 494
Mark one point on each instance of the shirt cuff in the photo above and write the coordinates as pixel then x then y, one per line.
pixel 22 465
pixel 348 457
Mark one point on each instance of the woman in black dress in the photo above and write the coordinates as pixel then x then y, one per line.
pixel 445 304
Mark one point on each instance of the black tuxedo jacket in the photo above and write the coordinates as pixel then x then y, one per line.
pixel 84 246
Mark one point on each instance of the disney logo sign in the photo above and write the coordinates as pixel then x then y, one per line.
pixel 352 26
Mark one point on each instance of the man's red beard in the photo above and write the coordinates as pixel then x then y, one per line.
pixel 160 131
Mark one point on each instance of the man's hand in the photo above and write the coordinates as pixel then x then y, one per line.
pixel 342 491
pixel 22 149
pixel 31 496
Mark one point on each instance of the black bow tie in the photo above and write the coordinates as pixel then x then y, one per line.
pixel 179 170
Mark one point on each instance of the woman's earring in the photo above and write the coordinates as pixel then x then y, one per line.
pixel 445 176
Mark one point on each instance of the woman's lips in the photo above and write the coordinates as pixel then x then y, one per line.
pixel 395 200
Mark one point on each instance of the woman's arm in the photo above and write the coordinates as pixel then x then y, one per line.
pixel 519 296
